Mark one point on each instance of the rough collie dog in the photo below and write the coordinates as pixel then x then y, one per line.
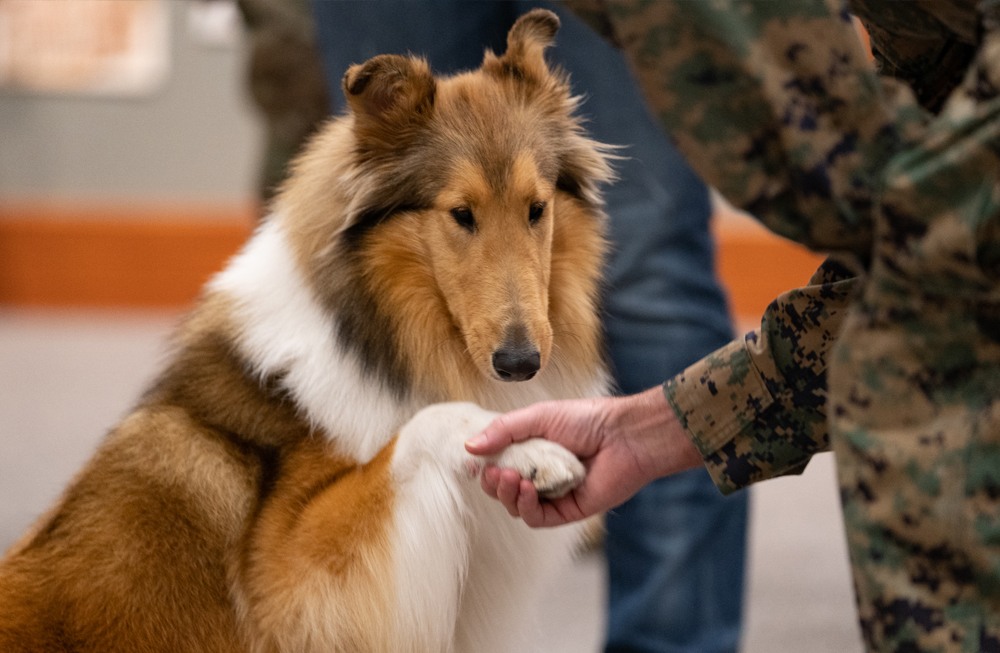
pixel 286 484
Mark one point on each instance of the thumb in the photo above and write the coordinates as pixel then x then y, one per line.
pixel 503 431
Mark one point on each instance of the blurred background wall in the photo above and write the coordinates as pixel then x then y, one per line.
pixel 129 150
pixel 190 137
pixel 128 185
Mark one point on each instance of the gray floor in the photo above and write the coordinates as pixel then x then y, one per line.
pixel 65 377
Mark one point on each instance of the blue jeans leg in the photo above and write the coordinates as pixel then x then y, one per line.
pixel 675 554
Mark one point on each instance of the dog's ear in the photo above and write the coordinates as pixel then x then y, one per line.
pixel 526 43
pixel 389 91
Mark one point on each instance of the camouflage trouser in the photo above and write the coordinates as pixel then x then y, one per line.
pixel 915 396
pixel 917 439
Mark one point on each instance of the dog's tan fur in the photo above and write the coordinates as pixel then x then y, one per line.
pixel 223 514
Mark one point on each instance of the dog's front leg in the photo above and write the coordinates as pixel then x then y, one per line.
pixel 445 521
pixel 317 566
pixel 434 432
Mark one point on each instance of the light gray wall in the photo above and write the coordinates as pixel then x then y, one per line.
pixel 197 139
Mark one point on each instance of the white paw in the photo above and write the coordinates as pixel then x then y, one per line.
pixel 552 469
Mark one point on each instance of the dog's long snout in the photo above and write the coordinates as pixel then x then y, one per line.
pixel 517 359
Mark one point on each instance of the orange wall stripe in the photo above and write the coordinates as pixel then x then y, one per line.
pixel 756 266
pixel 159 257
pixel 118 257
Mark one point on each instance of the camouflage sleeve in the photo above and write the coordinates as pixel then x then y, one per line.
pixel 775 104
pixel 756 407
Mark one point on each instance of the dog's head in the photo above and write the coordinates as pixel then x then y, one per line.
pixel 466 193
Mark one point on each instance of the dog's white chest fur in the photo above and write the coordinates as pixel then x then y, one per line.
pixel 283 330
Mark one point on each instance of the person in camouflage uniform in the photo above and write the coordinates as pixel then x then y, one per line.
pixel 891 356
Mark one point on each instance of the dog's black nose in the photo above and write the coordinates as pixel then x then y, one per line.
pixel 517 358
pixel 517 363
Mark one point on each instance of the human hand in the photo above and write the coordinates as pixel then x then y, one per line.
pixel 624 443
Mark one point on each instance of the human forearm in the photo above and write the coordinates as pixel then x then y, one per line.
pixel 648 427
pixel 756 408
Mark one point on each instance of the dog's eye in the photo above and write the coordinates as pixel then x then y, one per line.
pixel 463 216
pixel 536 212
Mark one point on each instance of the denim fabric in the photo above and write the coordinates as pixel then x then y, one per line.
pixel 676 550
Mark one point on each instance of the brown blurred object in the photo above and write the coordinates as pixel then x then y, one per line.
pixel 286 80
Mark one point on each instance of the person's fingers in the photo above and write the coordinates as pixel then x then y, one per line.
pixel 520 498
pixel 529 508
pixel 505 430
pixel 489 479
pixel 508 489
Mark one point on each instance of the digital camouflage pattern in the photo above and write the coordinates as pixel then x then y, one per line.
pixel 765 411
pixel 892 356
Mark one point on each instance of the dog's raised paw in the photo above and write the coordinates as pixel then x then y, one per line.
pixel 552 469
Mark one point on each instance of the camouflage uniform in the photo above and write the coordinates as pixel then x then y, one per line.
pixel 891 358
